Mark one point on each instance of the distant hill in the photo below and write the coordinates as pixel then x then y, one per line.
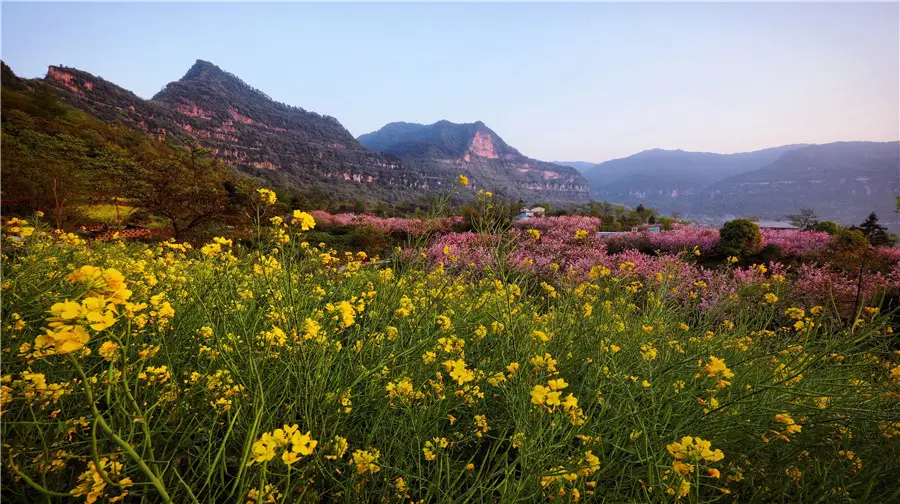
pixel 246 129
pixel 581 166
pixel 671 179
pixel 478 152
pixel 842 181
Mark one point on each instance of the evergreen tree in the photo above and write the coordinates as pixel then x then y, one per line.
pixel 875 232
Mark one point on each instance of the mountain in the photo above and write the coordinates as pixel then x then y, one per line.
pixel 295 148
pixel 842 181
pixel 288 146
pixel 56 157
pixel 671 179
pixel 581 166
pixel 478 152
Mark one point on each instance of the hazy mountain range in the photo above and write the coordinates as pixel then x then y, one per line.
pixel 843 181
pixel 292 147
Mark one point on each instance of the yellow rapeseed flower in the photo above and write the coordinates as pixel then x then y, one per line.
pixel 267 196
pixel 366 461
pixel 304 220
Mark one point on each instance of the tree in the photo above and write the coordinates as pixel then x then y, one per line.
pixel 632 219
pixel 805 219
pixel 828 226
pixel 850 240
pixel 875 232
pixel 59 159
pixel 739 237
pixel 42 171
pixel 187 188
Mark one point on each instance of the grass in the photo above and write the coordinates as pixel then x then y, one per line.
pixel 106 212
pixel 416 384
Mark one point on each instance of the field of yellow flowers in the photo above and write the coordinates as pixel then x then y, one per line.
pixel 278 371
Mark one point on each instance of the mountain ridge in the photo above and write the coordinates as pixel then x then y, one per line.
pixel 671 178
pixel 477 151
pixel 289 146
pixel 284 145
pixel 841 181
pixel 292 147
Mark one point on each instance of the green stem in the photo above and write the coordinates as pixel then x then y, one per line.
pixel 119 441
pixel 32 484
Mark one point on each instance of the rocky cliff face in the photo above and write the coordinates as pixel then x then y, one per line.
pixel 479 153
pixel 246 129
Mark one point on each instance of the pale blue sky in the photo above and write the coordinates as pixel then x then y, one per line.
pixel 557 81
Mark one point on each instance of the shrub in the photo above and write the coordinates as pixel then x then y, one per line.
pixel 770 252
pixel 369 239
pixel 849 240
pixel 739 237
pixel 829 227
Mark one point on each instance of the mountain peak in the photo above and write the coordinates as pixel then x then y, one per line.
pixel 442 139
pixel 202 68
pixel 477 151
pixel 206 74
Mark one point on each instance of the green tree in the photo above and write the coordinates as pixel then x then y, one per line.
pixel 828 226
pixel 187 188
pixel 740 237
pixel 850 240
pixel 57 158
pixel 875 232
pixel 42 171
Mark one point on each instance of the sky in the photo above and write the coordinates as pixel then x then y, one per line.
pixel 584 82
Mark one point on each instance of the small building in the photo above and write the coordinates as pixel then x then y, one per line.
pixel 526 212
